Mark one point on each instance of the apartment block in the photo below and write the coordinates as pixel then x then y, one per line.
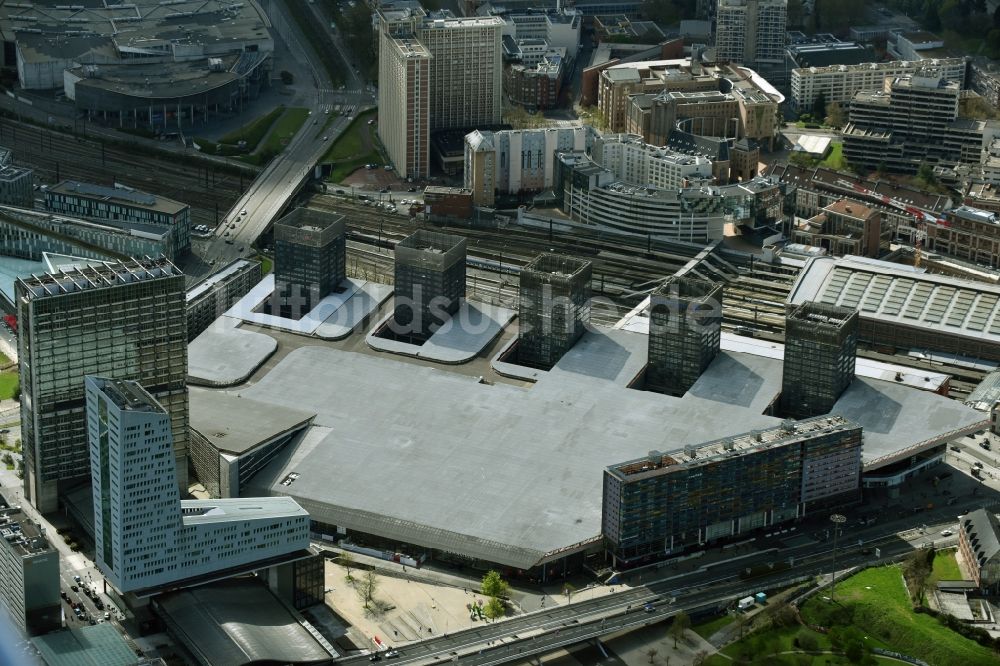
pixel 29 574
pixel 435 72
pixel 515 161
pixel 821 348
pixel 122 205
pixel 592 195
pixel 751 32
pixel 669 501
pixel 309 260
pixel 210 298
pixel 554 308
pixel 845 227
pixel 145 537
pixel 840 83
pixel 685 331
pixel 911 121
pixel 430 281
pixel 121 319
pixel 632 160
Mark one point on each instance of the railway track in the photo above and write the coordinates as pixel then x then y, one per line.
pixel 56 155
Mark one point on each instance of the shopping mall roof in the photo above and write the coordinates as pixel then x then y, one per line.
pixel 249 423
pixel 240 622
pixel 900 294
pixel 525 465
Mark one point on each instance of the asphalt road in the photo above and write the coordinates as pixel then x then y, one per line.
pixel 716 585
pixel 268 195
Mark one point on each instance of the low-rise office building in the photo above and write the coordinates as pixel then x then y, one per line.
pixel 29 574
pixel 27 233
pixel 667 502
pixel 208 299
pixel 122 206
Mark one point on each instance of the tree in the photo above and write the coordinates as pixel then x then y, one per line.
pixel 568 590
pixel 664 12
pixel 680 624
pixel 495 608
pixel 651 654
pixel 926 174
pixel 931 21
pixel 836 115
pixel 366 587
pixel 494 586
pixel 806 640
pixel 819 106
pixel 699 658
pixel 794 13
pixel 8 460
pixel 346 560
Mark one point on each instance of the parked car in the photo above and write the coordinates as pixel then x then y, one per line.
pixel 946 533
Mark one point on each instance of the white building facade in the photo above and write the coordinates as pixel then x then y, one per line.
pixel 513 161
pixel 751 32
pixel 144 535
pixel 632 160
pixel 839 83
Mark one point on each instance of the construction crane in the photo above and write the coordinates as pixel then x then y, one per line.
pixel 920 217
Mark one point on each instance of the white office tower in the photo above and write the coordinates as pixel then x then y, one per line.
pixel 145 536
pixel 751 32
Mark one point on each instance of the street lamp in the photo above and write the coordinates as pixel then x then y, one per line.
pixel 837 520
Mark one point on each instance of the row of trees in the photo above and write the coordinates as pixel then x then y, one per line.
pixel 497 591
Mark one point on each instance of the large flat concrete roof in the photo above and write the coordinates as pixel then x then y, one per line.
pixel 513 475
pixel 247 422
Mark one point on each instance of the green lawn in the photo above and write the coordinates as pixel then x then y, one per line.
pixel 835 160
pixel 772 643
pixel 354 148
pixel 254 131
pixel 946 567
pixel 351 143
pixel 8 385
pixel 709 627
pixel 266 264
pixel 876 602
pixel 4 361
pixel 284 129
